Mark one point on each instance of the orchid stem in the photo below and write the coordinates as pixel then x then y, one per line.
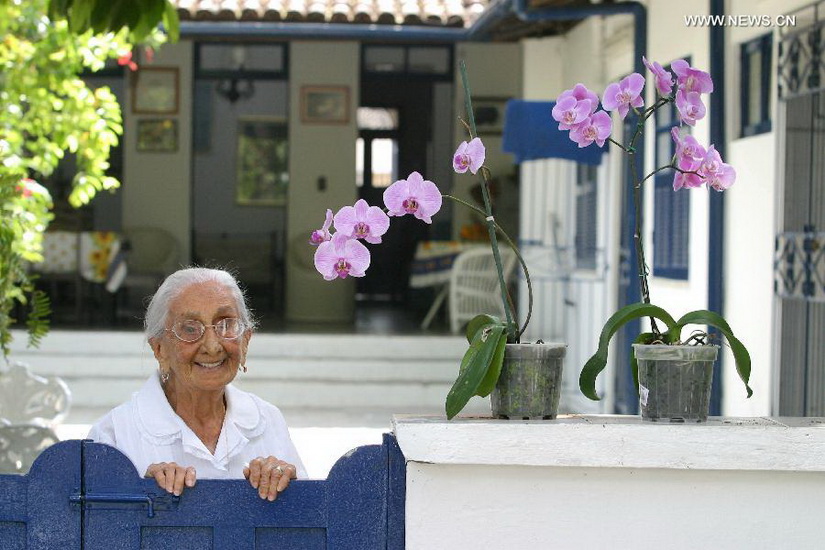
pixel 521 261
pixel 512 329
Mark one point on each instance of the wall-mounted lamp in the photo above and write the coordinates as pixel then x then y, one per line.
pixel 236 88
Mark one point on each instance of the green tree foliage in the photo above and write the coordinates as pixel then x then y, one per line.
pixel 46 110
pixel 139 17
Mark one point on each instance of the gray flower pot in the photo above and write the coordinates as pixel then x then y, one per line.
pixel 675 382
pixel 530 382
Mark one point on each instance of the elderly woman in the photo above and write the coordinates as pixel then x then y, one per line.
pixel 188 421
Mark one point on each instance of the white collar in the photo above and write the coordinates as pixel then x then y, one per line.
pixel 159 423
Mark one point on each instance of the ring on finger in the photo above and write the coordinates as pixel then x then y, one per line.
pixel 279 469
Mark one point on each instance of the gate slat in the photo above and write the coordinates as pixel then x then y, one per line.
pixel 397 494
pixel 35 512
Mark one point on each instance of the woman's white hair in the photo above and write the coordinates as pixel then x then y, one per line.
pixel 155 321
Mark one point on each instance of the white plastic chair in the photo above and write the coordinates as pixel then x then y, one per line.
pixel 474 285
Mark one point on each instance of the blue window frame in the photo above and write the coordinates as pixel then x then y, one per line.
pixel 586 216
pixel 671 210
pixel 756 85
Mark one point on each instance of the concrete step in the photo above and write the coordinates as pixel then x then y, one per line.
pixel 317 380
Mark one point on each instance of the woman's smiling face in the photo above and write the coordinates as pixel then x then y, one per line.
pixel 211 362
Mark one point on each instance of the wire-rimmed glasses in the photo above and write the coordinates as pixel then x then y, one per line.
pixel 192 330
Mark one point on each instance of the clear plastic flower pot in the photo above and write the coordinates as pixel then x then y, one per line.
pixel 675 382
pixel 530 382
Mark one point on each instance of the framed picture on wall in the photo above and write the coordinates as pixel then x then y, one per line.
pixel 155 91
pixel 263 175
pixel 489 114
pixel 157 135
pixel 325 104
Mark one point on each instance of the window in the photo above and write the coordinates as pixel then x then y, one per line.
pixel 586 216
pixel 756 85
pixel 376 147
pixel 671 210
pixel 433 62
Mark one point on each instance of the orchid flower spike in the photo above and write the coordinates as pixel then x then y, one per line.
pixel 663 78
pixel 594 128
pixel 625 94
pixel 690 79
pixel 469 156
pixel 415 196
pixel 690 107
pixel 716 173
pixel 341 257
pixel 322 235
pixel 362 221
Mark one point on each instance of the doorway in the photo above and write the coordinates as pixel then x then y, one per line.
pixel 395 139
pixel 800 264
pixel 240 171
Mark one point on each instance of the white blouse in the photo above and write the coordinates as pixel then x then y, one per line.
pixel 147 430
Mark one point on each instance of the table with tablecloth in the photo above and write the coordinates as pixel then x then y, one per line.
pixel 94 255
pixel 80 258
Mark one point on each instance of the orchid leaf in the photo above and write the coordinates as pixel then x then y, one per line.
pixel 474 367
pixel 494 368
pixel 596 364
pixel 479 321
pixel 740 354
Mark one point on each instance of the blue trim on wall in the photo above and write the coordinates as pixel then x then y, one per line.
pixel 716 281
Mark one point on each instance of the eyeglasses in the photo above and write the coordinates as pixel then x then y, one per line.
pixel 192 330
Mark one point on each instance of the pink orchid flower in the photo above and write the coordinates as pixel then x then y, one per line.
pixel 689 153
pixel 663 78
pixel 469 156
pixel 569 111
pixel 341 257
pixel 415 196
pixel 581 94
pixel 322 235
pixel 362 221
pixel 624 95
pixel 690 79
pixel 594 128
pixel 687 181
pixel 716 173
pixel 690 107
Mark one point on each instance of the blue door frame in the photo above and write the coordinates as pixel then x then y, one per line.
pixel 81 494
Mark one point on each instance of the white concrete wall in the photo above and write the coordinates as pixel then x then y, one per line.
pixel 156 186
pixel 611 482
pixel 319 151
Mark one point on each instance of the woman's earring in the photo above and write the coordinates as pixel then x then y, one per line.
pixel 164 377
pixel 242 368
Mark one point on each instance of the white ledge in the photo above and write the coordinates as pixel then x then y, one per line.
pixel 613 441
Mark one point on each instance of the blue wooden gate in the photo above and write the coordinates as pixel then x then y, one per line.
pixel 81 494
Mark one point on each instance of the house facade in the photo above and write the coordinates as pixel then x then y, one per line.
pixel 747 252
pixel 291 92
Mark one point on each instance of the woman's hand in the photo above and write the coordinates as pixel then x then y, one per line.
pixel 171 477
pixel 269 476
